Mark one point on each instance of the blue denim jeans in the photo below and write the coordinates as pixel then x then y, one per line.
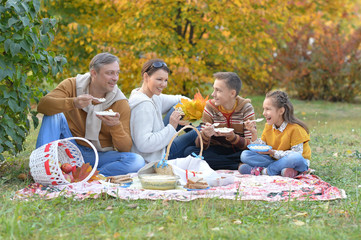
pixel 181 142
pixel 274 167
pixel 110 163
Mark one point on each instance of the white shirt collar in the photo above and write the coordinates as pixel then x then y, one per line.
pixel 281 128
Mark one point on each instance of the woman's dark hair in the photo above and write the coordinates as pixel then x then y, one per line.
pixel 151 66
pixel 280 99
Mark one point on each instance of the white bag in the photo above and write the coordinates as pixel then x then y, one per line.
pixel 189 167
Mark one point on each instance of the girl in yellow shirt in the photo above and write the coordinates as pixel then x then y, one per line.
pixel 288 137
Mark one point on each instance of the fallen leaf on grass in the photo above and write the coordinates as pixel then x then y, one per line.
pixel 134 205
pixel 116 235
pixel 161 229
pixel 349 153
pixel 298 222
pixel 150 234
pixel 301 214
pixel 215 229
pixel 22 176
pixel 339 212
pixel 325 206
pixel 237 221
pixel 335 154
pixel 320 150
pixel 165 202
pixel 109 208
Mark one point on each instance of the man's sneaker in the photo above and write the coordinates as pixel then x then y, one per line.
pixel 289 172
pixel 257 171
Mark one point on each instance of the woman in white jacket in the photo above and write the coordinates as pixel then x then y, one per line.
pixel 150 134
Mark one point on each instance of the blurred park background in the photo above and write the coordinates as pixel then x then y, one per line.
pixel 311 49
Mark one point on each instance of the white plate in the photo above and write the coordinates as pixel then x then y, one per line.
pixel 223 130
pixel 106 113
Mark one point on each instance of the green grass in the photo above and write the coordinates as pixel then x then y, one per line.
pixel 335 142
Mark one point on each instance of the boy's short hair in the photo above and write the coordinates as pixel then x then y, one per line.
pixel 232 80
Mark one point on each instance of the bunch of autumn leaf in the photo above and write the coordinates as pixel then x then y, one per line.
pixel 192 109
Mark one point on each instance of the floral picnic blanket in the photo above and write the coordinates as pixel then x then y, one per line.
pixel 245 187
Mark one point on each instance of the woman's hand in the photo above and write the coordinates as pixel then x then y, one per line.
pixel 174 119
pixel 82 101
pixel 110 120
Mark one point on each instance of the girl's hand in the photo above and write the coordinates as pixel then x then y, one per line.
pixel 270 152
pixel 110 120
pixel 208 130
pixel 251 126
pixel 174 119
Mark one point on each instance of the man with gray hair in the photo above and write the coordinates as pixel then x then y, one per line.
pixel 74 108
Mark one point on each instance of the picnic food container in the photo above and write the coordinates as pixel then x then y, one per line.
pixel 45 161
pixel 158 182
pixel 221 180
pixel 160 175
pixel 165 169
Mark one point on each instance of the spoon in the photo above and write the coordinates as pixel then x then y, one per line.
pixel 256 120
pixel 99 99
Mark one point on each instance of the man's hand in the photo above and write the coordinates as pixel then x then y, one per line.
pixel 110 120
pixel 82 101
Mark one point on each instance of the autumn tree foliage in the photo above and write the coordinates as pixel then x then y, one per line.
pixel 323 64
pixel 321 58
pixel 195 37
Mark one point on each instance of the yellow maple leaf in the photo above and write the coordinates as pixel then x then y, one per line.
pixel 192 109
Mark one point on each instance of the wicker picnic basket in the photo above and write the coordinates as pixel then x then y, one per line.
pixel 168 169
pixel 45 161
